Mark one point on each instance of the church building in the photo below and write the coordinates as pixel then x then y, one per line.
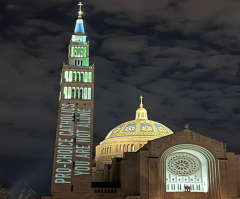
pixel 139 159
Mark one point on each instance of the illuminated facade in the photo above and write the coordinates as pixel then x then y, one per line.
pixel 73 147
pixel 138 159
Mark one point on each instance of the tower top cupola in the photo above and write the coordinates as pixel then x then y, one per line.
pixel 141 113
pixel 79 28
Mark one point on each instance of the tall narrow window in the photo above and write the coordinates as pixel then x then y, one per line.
pixel 69 93
pixel 70 76
pixel 108 150
pixel 73 93
pixel 66 76
pixel 81 79
pixel 89 93
pixel 128 147
pixel 124 148
pixel 81 62
pixel 65 92
pixel 77 93
pixel 132 148
pixel 117 148
pixel 81 93
pixel 74 77
pixel 71 188
pixel 90 77
pixel 75 62
pixel 78 75
pixel 86 77
pixel 120 148
pixel 85 93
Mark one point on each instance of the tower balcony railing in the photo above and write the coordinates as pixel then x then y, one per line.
pixel 79 43
pixel 65 66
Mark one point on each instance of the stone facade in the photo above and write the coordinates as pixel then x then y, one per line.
pixel 142 174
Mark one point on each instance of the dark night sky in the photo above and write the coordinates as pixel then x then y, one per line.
pixel 181 55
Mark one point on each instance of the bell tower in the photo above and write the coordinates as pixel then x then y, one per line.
pixel 74 134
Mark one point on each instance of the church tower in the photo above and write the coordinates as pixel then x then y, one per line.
pixel 73 147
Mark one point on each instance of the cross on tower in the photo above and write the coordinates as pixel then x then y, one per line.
pixel 141 104
pixel 80 10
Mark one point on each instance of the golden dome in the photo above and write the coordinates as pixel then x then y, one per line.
pixel 141 126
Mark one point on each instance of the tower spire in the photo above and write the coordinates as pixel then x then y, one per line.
pixel 80 13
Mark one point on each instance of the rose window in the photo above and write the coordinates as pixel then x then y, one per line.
pixel 182 164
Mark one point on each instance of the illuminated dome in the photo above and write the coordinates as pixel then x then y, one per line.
pixel 141 126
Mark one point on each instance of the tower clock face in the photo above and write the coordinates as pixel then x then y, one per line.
pixel 183 164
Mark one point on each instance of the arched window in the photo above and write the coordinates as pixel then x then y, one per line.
pixel 86 77
pixel 65 92
pixel 85 93
pixel 128 148
pixel 70 76
pixel 108 150
pixel 66 76
pixel 89 93
pixel 75 62
pixel 81 93
pixel 73 93
pixel 117 148
pixel 74 77
pixel 82 76
pixel 124 148
pixel 79 52
pixel 132 147
pixel 90 77
pixel 69 93
pixel 120 148
pixel 77 93
pixel 78 76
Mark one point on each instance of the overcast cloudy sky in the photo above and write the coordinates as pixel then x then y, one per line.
pixel 181 55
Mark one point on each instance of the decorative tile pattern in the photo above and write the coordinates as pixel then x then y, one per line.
pixel 140 128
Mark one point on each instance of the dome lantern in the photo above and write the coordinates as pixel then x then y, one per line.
pixel 141 113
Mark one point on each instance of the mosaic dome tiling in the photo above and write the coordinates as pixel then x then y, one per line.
pixel 140 128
